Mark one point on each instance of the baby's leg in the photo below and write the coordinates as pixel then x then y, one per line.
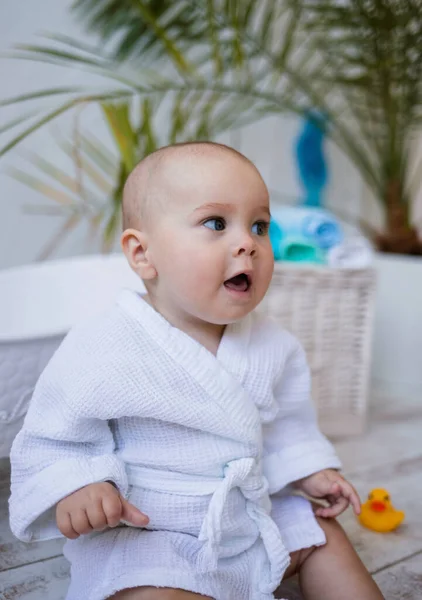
pixel 153 593
pixel 333 571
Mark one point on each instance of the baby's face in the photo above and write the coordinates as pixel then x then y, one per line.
pixel 209 240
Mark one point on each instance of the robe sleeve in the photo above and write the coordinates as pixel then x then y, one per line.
pixel 61 447
pixel 294 447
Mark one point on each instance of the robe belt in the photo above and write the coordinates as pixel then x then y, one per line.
pixel 242 473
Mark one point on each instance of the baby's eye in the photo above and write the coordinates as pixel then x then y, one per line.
pixel 217 224
pixel 260 228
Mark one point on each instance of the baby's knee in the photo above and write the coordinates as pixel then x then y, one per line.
pixel 335 539
pixel 334 532
pixel 297 559
pixel 154 593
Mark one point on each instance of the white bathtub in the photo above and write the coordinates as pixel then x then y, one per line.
pixel 38 305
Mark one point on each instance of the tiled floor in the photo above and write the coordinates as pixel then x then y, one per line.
pixel 389 455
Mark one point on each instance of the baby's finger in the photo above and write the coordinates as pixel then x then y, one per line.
pixel 112 508
pixel 96 516
pixel 339 505
pixel 64 525
pixel 326 513
pixel 335 489
pixel 80 522
pixel 133 515
pixel 351 494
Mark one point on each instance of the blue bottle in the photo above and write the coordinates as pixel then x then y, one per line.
pixel 311 160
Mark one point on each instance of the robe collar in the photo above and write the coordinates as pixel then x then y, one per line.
pixel 220 376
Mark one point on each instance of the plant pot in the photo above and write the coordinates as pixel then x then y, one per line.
pixel 397 342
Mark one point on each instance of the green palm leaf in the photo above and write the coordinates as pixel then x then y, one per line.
pixel 35 183
pixel 49 93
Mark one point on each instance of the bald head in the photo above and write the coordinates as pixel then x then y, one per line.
pixel 147 187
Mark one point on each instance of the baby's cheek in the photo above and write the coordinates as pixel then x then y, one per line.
pixel 194 277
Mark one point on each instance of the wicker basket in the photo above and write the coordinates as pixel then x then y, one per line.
pixel 330 311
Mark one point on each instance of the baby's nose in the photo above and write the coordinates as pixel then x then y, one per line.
pixel 245 246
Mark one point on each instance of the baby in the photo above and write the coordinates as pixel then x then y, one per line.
pixel 167 438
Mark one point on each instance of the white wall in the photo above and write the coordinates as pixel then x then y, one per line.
pixel 22 236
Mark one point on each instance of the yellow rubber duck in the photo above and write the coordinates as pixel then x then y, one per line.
pixel 378 513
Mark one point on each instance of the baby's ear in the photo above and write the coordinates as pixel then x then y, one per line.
pixel 135 247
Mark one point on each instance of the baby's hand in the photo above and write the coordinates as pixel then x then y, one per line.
pixel 332 487
pixel 93 508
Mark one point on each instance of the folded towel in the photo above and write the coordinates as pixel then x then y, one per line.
pixel 315 225
pixel 298 249
pixel 354 253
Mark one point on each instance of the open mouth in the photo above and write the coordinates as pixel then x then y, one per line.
pixel 238 283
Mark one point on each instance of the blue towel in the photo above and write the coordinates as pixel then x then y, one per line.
pixel 311 227
pixel 299 250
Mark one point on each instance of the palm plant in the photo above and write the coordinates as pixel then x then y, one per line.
pixel 94 191
pixel 359 62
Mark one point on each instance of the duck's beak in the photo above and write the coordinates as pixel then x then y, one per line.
pixel 378 506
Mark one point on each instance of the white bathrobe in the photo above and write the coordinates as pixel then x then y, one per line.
pixel 205 445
